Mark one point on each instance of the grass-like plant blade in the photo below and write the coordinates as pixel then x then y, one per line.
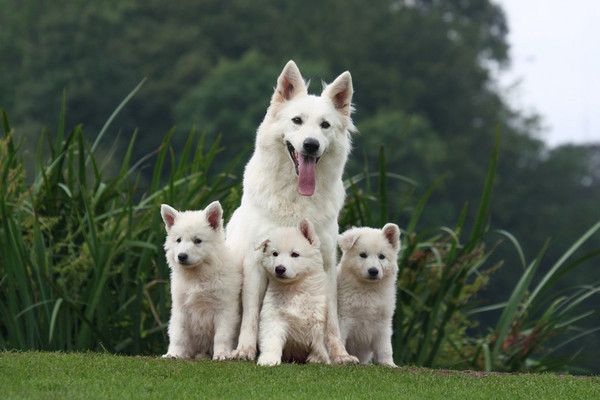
pixel 514 301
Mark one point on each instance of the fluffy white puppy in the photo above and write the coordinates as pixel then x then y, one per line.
pixel 294 311
pixel 205 288
pixel 367 291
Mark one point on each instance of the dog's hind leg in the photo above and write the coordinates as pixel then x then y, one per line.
pixel 253 292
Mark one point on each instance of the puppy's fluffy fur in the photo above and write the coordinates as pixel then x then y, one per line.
pixel 205 288
pixel 294 311
pixel 283 184
pixel 367 291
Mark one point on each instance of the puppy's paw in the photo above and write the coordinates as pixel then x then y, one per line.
pixel 316 358
pixel 222 356
pixel 266 360
pixel 345 359
pixel 388 363
pixel 245 353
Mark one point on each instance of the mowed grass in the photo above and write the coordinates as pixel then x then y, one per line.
pixel 33 375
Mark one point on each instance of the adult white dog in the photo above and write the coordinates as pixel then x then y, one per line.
pixel 295 172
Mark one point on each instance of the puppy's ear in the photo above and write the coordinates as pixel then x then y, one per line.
pixel 214 215
pixel 347 239
pixel 340 92
pixel 263 246
pixel 392 235
pixel 308 231
pixel 289 84
pixel 168 214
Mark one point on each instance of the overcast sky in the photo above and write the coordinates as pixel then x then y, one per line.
pixel 555 53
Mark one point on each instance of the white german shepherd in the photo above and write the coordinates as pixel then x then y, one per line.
pixel 295 172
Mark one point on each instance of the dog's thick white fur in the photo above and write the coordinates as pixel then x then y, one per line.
pixel 294 310
pixel 295 172
pixel 367 291
pixel 205 285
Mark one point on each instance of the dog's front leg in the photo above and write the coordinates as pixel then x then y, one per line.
pixel 253 291
pixel 225 329
pixel 382 346
pixel 180 341
pixel 337 350
pixel 272 340
pixel 318 353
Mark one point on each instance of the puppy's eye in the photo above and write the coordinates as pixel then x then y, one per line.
pixel 294 254
pixel 297 120
pixel 363 255
pixel 178 240
pixel 275 254
pixel 197 241
pixel 381 257
pixel 325 125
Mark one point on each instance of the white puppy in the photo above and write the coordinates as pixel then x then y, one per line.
pixel 205 288
pixel 295 173
pixel 294 311
pixel 367 291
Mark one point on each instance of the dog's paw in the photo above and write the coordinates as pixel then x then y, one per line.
pixel 388 363
pixel 222 356
pixel 315 358
pixel 266 360
pixel 245 353
pixel 345 359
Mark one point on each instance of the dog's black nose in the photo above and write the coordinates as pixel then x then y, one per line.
pixel 310 145
pixel 182 257
pixel 373 272
pixel 280 270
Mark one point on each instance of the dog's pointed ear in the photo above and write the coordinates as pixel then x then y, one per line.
pixel 347 239
pixel 263 245
pixel 340 93
pixel 214 215
pixel 308 231
pixel 168 214
pixel 289 84
pixel 392 235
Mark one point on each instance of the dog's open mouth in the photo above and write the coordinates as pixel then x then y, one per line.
pixel 305 167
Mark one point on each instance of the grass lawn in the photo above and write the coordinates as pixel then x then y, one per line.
pixel 92 375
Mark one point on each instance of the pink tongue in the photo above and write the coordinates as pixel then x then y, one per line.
pixel 306 178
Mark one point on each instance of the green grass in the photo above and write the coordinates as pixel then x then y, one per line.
pixel 94 375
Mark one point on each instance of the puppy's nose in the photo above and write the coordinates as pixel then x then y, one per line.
pixel 182 257
pixel 280 270
pixel 373 272
pixel 310 145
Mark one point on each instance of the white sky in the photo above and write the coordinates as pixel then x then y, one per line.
pixel 555 54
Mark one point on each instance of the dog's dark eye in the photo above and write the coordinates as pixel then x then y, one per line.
pixel 178 240
pixel 197 241
pixel 363 255
pixel 325 125
pixel 297 120
pixel 294 254
pixel 381 257
pixel 275 254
